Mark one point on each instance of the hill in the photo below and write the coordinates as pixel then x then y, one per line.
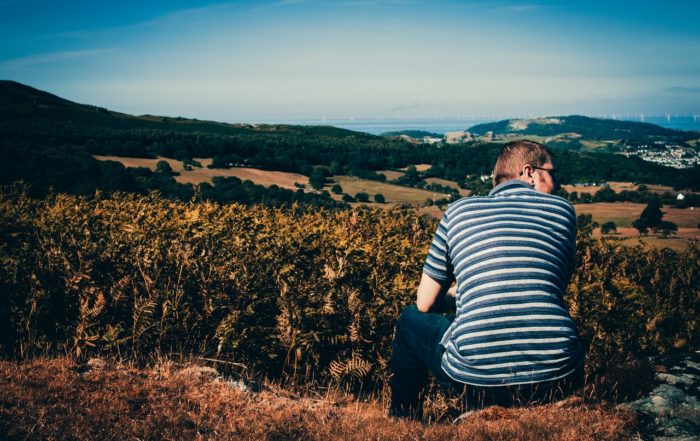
pixel 19 102
pixel 577 127
pixel 416 134
pixel 51 143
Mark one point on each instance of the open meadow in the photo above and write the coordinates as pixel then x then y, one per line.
pixel 394 194
pixel 624 213
pixel 617 187
pixel 203 174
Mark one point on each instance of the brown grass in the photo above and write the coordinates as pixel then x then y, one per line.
pixel 391 174
pixel 678 242
pixel 58 399
pixel 451 184
pixel 623 213
pixel 617 187
pixel 393 194
pixel 421 167
pixel 203 174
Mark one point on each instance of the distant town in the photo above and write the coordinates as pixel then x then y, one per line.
pixel 660 152
pixel 671 155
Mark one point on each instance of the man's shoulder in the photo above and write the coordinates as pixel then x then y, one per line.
pixel 483 202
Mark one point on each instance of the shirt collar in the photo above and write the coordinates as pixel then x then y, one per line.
pixel 513 184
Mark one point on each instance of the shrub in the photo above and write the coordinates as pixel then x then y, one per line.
pixel 608 227
pixel 361 197
pixel 304 295
pixel 379 198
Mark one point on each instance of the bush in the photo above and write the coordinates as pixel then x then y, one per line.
pixel 666 228
pixel 162 166
pixel 304 295
pixel 608 227
pixel 337 189
pixel 362 197
pixel 379 198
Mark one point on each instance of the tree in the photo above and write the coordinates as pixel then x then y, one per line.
pixel 410 177
pixel 666 228
pixel 318 177
pixel 336 168
pixel 379 198
pixel 652 213
pixel 362 197
pixel 608 227
pixel 337 189
pixel 348 198
pixel 162 166
pixel 605 194
pixel 641 226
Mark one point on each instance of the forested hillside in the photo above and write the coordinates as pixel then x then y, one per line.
pixel 586 127
pixel 47 142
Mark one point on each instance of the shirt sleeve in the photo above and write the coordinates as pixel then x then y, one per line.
pixel 438 265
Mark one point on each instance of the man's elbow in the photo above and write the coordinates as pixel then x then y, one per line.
pixel 423 306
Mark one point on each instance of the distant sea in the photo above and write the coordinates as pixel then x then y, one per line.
pixel 444 125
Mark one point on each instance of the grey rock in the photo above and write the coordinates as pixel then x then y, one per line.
pixel 671 411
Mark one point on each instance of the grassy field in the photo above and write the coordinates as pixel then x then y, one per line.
pixel 203 174
pixel 616 187
pixel 393 194
pixel 60 398
pixel 446 183
pixel 391 174
pixel 623 213
pixel 678 242
pixel 421 167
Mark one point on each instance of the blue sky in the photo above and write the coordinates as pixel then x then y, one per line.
pixel 296 59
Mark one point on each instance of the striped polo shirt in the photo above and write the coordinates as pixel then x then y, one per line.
pixel 511 253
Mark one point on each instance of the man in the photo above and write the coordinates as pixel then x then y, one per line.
pixel 511 254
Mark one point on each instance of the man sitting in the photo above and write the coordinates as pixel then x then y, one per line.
pixel 511 254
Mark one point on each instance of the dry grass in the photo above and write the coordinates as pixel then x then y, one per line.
pixel 623 213
pixel 393 194
pixel 391 174
pixel 617 187
pixel 198 175
pixel 444 182
pixel 58 399
pixel 678 242
pixel 420 167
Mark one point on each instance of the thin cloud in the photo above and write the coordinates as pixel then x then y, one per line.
pixel 520 9
pixel 51 57
pixel 682 89
pixel 351 3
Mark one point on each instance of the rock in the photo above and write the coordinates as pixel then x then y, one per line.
pixel 198 374
pixel 96 364
pixel 672 410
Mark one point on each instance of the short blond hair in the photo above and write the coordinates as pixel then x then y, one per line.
pixel 515 155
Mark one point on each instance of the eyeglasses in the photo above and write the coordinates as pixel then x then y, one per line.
pixel 552 171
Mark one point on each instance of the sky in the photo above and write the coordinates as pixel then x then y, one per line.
pixel 295 59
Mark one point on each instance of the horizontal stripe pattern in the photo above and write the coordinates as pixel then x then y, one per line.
pixel 511 254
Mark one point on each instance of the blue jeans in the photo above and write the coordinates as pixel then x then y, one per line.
pixel 417 351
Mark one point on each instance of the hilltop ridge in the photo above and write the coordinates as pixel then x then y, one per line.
pixel 586 127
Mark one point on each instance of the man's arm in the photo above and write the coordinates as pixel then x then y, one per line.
pixel 433 296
